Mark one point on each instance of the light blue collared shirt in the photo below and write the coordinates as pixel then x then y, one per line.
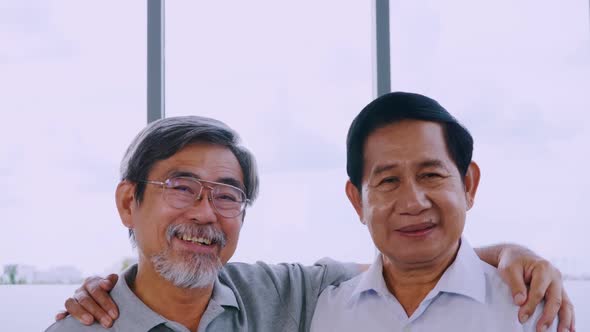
pixel 470 296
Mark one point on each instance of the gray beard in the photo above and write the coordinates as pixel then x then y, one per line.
pixel 193 271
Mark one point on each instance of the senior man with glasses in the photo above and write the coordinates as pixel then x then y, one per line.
pixel 185 184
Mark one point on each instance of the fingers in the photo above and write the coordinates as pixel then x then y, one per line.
pixel 514 277
pixel 545 282
pixel 540 274
pixel 61 315
pixel 553 302
pixel 91 300
pixel 112 280
pixel 98 290
pixel 567 315
pixel 78 312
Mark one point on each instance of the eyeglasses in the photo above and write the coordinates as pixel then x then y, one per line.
pixel 182 192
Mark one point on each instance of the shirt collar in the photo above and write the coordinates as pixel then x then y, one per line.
pixel 135 315
pixel 223 295
pixel 465 276
pixel 371 281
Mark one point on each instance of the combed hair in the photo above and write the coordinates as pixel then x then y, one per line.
pixel 397 106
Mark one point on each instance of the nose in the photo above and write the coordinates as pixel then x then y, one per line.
pixel 412 199
pixel 202 210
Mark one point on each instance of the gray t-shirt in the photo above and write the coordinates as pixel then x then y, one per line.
pixel 246 297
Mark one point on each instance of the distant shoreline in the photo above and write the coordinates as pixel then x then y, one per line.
pixel 565 278
pixel 582 278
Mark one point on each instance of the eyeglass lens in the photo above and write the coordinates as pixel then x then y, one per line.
pixel 182 192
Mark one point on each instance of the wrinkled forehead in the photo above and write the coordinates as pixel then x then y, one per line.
pixel 410 142
pixel 202 160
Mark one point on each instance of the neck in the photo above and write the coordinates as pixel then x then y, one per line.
pixel 411 282
pixel 182 305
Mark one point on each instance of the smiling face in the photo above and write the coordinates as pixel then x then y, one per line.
pixel 183 242
pixel 413 198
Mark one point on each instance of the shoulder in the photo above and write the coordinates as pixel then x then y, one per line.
pixel 343 290
pixel 267 278
pixel 498 295
pixel 324 270
pixel 336 297
pixel 260 271
pixel 289 283
pixel 497 291
pixel 71 324
pixel 260 279
pixel 336 307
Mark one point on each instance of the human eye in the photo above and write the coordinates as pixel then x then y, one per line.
pixel 432 176
pixel 227 197
pixel 228 194
pixel 184 189
pixel 390 179
pixel 387 183
pixel 183 186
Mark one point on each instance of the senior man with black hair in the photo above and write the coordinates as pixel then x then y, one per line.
pixel 184 189
pixel 411 181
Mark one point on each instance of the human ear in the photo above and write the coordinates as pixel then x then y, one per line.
pixel 471 183
pixel 125 199
pixel 355 198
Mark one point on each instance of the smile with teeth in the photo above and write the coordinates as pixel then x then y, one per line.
pixel 198 240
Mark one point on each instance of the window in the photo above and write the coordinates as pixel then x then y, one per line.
pixel 73 96
pixel 517 75
pixel 289 77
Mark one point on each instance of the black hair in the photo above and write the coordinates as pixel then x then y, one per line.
pixel 397 106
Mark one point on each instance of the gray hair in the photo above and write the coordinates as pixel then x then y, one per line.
pixel 163 138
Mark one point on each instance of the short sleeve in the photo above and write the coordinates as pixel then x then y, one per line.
pixel 299 286
pixel 286 291
pixel 336 272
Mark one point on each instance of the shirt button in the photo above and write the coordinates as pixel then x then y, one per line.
pixel 407 329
